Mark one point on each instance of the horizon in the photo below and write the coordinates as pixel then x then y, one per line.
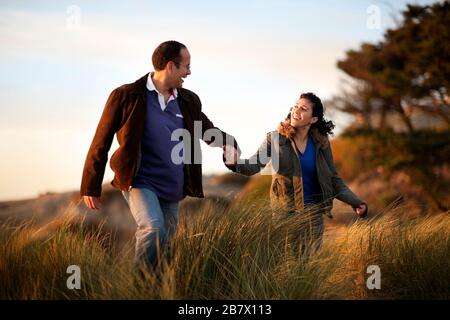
pixel 60 62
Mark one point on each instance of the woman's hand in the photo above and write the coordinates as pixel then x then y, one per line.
pixel 361 211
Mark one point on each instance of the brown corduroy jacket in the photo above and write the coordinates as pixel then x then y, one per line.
pixel 124 114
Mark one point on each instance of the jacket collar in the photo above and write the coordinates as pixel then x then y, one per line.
pixel 319 139
pixel 140 87
pixel 151 87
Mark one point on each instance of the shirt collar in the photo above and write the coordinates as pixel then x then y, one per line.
pixel 151 86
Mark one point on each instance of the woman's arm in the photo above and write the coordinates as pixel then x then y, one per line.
pixel 342 192
pixel 255 163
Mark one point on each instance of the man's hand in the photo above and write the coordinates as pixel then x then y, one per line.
pixel 230 154
pixel 361 211
pixel 92 202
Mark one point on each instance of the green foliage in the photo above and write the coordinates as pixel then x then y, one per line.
pixel 407 72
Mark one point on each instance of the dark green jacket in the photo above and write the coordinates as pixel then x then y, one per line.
pixel 286 191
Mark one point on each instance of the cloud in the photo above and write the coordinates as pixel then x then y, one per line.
pixel 103 41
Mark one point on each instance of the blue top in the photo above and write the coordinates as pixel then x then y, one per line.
pixel 311 187
pixel 157 171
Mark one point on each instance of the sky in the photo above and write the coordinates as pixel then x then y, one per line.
pixel 250 60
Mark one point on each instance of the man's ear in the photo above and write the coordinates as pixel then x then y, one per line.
pixel 314 120
pixel 170 65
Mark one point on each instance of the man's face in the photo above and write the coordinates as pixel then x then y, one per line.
pixel 178 74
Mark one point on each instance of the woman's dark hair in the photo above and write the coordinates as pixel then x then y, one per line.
pixel 325 127
pixel 166 52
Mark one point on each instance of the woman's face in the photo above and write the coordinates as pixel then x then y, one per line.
pixel 301 114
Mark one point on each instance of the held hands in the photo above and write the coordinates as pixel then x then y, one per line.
pixel 230 155
pixel 361 211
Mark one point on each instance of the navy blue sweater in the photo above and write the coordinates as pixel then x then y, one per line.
pixel 157 171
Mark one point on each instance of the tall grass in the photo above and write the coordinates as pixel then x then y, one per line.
pixel 238 252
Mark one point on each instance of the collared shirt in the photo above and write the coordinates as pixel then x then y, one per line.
pixel 162 164
pixel 151 87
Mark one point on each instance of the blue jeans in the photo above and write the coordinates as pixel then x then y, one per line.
pixel 316 227
pixel 156 221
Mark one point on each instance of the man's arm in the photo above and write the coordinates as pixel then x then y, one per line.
pixel 95 163
pixel 211 139
pixel 256 162
pixel 215 137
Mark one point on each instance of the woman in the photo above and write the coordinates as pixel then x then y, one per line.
pixel 303 170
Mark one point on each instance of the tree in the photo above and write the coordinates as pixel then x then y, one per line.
pixel 407 72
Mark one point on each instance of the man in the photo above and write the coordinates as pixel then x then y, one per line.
pixel 145 115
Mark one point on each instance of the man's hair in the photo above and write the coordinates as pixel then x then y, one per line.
pixel 166 52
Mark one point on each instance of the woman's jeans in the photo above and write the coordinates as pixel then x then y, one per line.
pixel 314 230
pixel 308 237
pixel 156 221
